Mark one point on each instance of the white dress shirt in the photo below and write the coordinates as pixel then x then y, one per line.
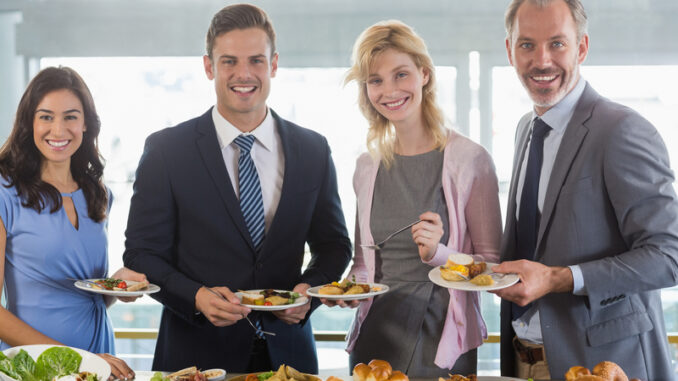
pixel 528 327
pixel 267 153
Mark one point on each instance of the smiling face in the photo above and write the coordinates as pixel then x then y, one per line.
pixel 58 126
pixel 545 52
pixel 394 87
pixel 242 67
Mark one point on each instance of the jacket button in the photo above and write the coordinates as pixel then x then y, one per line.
pixel 259 265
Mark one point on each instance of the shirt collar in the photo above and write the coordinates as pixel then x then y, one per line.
pixel 227 132
pixel 558 116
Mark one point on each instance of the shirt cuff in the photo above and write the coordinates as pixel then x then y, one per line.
pixel 579 288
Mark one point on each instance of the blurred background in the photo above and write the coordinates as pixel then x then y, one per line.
pixel 142 60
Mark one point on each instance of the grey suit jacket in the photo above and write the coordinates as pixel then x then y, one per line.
pixel 611 208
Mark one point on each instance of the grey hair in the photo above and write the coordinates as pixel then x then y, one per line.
pixel 576 8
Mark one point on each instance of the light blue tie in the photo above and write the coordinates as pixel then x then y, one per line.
pixel 251 202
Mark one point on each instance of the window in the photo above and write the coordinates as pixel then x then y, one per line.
pixel 137 96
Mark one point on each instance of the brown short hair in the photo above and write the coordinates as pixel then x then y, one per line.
pixel 239 16
pixel 576 8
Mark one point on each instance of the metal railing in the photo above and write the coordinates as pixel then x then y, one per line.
pixel 152 334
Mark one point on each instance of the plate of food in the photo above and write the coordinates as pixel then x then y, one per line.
pixel 271 300
pixel 52 362
pixel 347 290
pixel 460 266
pixel 116 287
pixel 187 374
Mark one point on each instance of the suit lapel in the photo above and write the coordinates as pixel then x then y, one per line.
pixel 569 147
pixel 208 146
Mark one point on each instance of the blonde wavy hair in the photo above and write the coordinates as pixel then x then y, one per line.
pixel 394 34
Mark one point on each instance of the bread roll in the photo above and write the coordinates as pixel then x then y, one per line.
pixel 379 373
pixel 576 371
pixel 398 376
pixel 591 377
pixel 251 298
pixel 381 363
pixel 610 371
pixel 361 371
pixel 459 259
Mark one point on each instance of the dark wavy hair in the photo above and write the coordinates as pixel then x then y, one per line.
pixel 21 161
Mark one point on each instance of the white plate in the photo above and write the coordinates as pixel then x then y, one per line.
pixel 313 291
pixel 499 283
pixel 90 362
pixel 152 288
pixel 300 302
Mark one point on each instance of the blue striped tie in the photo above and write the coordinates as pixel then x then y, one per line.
pixel 251 202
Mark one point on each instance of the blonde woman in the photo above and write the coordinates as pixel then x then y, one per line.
pixel 416 168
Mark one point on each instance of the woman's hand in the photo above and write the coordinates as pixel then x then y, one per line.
pixel 427 234
pixel 126 274
pixel 119 369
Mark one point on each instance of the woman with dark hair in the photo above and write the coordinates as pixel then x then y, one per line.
pixel 53 220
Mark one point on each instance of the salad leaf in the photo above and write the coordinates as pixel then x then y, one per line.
pixel 56 362
pixel 24 366
pixel 265 376
pixel 7 367
pixel 157 376
pixel 92 377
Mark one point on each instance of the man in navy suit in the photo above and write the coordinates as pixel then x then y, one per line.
pixel 191 233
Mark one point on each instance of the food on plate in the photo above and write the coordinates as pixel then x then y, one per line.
pixel 114 284
pixel 187 374
pixel 459 377
pixel 377 370
pixel 482 280
pixel 460 263
pixel 284 373
pixel 269 297
pixel 346 287
pixel 53 363
pixel 603 371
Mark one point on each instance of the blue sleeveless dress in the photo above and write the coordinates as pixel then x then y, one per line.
pixel 43 250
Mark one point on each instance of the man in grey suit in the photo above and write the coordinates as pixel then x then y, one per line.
pixel 592 219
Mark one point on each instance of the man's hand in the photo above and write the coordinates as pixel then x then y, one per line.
pixel 427 234
pixel 536 280
pixel 220 311
pixel 296 314
pixel 126 274
pixel 119 369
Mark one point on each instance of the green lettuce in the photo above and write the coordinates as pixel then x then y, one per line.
pixel 24 366
pixel 56 362
pixel 7 367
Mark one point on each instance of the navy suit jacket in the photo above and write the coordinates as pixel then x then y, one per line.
pixel 185 230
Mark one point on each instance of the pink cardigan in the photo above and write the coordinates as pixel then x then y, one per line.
pixel 471 193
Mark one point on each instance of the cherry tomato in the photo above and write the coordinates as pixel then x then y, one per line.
pixel 122 285
pixel 267 303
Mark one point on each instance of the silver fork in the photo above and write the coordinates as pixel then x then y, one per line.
pixel 381 244
pixel 258 330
